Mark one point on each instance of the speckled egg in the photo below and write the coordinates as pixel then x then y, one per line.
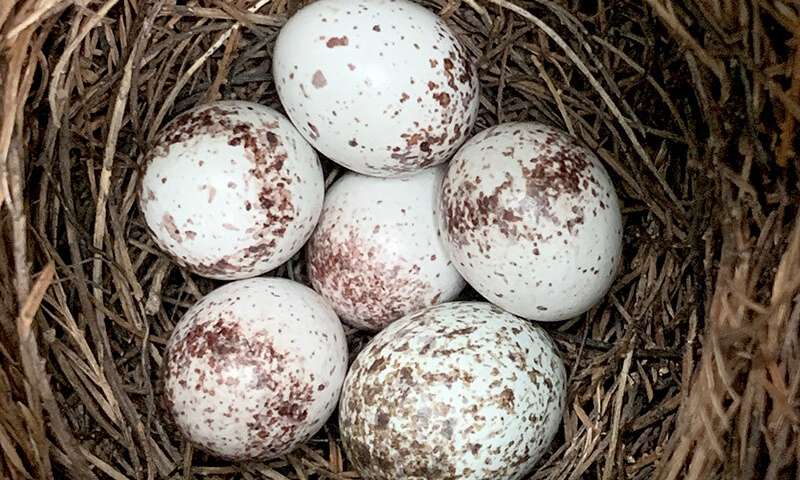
pixel 255 368
pixel 382 87
pixel 462 390
pixel 376 254
pixel 531 220
pixel 231 190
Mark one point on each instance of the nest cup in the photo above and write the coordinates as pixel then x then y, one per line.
pixel 687 369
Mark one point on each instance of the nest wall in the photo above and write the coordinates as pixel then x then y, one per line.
pixel 688 369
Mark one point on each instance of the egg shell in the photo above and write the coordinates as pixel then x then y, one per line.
pixel 231 190
pixel 531 220
pixel 376 254
pixel 347 70
pixel 461 390
pixel 255 368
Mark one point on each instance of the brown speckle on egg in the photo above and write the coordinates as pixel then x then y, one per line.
pixel 527 189
pixel 431 55
pixel 258 144
pixel 334 42
pixel 355 262
pixel 242 388
pixel 417 381
pixel 319 79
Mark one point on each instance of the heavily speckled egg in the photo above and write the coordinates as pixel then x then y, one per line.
pixel 347 70
pixel 255 368
pixel 376 254
pixel 231 189
pixel 460 390
pixel 531 220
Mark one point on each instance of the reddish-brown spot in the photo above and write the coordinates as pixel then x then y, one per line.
pixel 334 42
pixel 443 98
pixel 272 139
pixel 319 80
pixel 168 221
pixel 382 420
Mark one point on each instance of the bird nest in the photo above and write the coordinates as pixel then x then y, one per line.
pixel 687 369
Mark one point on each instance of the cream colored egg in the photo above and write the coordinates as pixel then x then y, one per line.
pixel 231 190
pixel 382 87
pixel 376 254
pixel 460 390
pixel 531 220
pixel 255 368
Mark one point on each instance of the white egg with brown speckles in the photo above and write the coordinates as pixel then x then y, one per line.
pixel 347 70
pixel 460 390
pixel 531 220
pixel 255 368
pixel 231 190
pixel 376 254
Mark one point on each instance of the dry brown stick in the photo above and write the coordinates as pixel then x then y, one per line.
pixel 502 84
pixel 788 138
pixel 103 466
pixel 111 142
pixel 220 14
pixel 34 370
pixel 59 69
pixel 12 177
pixel 212 93
pixel 5 11
pixel 12 71
pixel 608 471
pixel 10 452
pixel 105 175
pixel 43 9
pixel 556 93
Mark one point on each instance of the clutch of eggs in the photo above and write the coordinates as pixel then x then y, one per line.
pixel 383 87
pixel 254 368
pixel 531 220
pixel 231 189
pixel 376 254
pixel 460 390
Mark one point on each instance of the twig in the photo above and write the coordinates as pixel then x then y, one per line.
pixel 788 138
